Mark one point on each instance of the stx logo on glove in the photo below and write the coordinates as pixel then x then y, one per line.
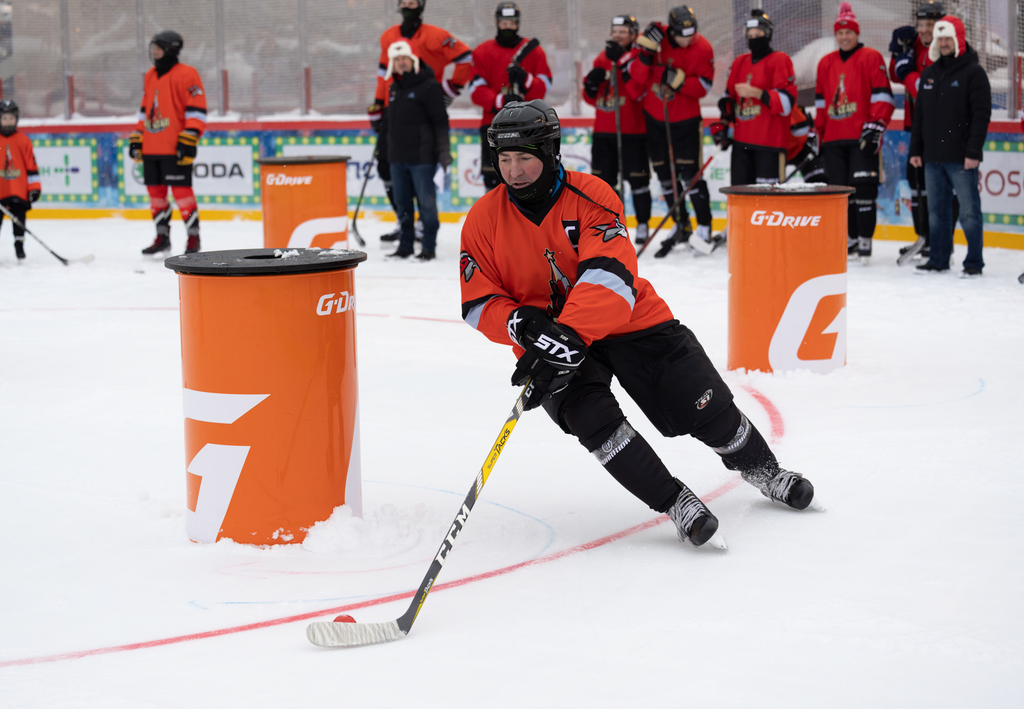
pixel 762 218
pixel 555 348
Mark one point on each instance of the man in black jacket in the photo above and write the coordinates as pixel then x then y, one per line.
pixel 954 106
pixel 417 143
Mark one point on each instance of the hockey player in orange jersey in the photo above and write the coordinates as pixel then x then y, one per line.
pixel 547 268
pixel 171 120
pixel 19 179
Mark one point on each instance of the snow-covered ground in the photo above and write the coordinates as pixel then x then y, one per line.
pixel 906 592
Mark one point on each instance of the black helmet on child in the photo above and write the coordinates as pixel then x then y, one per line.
pixel 9 106
pixel 423 5
pixel 507 11
pixel 682 21
pixel 169 41
pixel 931 10
pixel 626 21
pixel 760 20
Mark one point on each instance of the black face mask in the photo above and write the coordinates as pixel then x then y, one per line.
pixel 760 47
pixel 537 193
pixel 165 63
pixel 411 20
pixel 508 38
pixel 8 130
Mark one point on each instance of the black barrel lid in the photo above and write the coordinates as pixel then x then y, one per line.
pixel 303 159
pixel 264 262
pixel 797 189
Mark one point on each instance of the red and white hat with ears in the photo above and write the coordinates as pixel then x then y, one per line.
pixel 401 48
pixel 948 26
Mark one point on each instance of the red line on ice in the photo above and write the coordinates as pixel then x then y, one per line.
pixel 777 431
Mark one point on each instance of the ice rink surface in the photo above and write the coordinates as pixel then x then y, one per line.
pixel 906 592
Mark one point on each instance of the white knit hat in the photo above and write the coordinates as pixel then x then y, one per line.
pixel 401 48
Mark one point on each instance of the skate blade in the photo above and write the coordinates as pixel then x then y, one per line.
pixel 717 541
pixel 700 246
pixel 864 260
pixel 816 505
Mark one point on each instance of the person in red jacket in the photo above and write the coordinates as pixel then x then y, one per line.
pixel 547 268
pixel 499 80
pixel 909 49
pixel 853 102
pixel 677 66
pixel 603 90
pixel 19 180
pixel 435 47
pixel 171 120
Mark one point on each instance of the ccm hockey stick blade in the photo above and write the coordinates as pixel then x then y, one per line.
pixel 330 634
pixel 912 251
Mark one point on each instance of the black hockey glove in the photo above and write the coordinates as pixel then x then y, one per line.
pixel 451 92
pixel 375 112
pixel 812 143
pixel 720 135
pixel 673 78
pixel 727 107
pixel 188 143
pixel 903 64
pixel 553 353
pixel 902 39
pixel 517 77
pixel 871 138
pixel 135 146
pixel 649 41
pixel 33 195
pixel 613 50
pixel 592 83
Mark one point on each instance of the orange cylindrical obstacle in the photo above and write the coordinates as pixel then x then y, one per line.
pixel 305 202
pixel 787 277
pixel 268 359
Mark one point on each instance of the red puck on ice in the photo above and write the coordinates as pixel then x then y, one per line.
pixel 344 619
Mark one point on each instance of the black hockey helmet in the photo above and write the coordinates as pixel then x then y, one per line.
pixel 531 125
pixel 626 21
pixel 507 11
pixel 9 106
pixel 169 41
pixel 760 20
pixel 682 21
pixel 931 10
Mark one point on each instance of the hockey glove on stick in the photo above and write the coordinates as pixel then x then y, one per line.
pixel 519 78
pixel 720 135
pixel 727 107
pixel 673 78
pixel 902 39
pixel 135 146
pixel 871 138
pixel 593 82
pixel 649 42
pixel 903 64
pixel 553 353
pixel 188 143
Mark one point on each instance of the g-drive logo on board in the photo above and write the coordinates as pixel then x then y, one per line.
pixel 277 178
pixel 763 218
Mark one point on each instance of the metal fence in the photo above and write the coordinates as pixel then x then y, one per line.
pixel 260 57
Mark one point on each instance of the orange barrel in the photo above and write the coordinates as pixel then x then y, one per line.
pixel 268 361
pixel 305 202
pixel 787 277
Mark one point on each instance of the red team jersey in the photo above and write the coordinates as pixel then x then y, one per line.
pixel 20 172
pixel 758 125
pixel 911 80
pixel 697 60
pixel 434 46
pixel 849 94
pixel 631 93
pixel 170 104
pixel 578 264
pixel 490 62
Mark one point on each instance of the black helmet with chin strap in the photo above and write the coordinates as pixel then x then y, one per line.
pixel 9 106
pixel 532 127
pixel 169 41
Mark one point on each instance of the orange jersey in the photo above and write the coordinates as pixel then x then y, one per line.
pixel 578 263
pixel 20 173
pixel 170 104
pixel 436 47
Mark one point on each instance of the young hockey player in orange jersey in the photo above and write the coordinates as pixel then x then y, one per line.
pixel 547 268
pixel 19 180
pixel 171 120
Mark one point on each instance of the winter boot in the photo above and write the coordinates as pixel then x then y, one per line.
pixel 782 486
pixel 192 245
pixel 400 253
pixel 426 255
pixel 19 248
pixel 161 243
pixel 694 521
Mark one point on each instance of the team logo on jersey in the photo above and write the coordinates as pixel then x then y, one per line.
pixel 704 399
pixel 572 231
pixel 748 108
pixel 155 121
pixel 195 91
pixel 841 106
pixel 9 172
pixel 559 284
pixel 610 231
pixel 467 266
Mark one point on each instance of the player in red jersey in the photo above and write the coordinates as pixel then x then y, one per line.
pixel 803 152
pixel 677 65
pixel 19 179
pixel 172 118
pixel 909 48
pixel 853 103
pixel 547 268
pixel 508 68
pixel 602 90
pixel 436 48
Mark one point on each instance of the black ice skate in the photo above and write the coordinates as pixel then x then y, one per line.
pixel 192 245
pixel 19 248
pixel 641 234
pixel 694 521
pixel 782 486
pixel 161 243
pixel 679 235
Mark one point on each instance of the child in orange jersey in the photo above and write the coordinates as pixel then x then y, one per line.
pixel 19 179
pixel 547 268
pixel 171 120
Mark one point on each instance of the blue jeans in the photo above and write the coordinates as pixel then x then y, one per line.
pixel 941 178
pixel 417 181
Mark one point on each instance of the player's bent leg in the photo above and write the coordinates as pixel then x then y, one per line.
pixel 185 198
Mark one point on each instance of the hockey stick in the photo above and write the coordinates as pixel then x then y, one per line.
pixel 916 247
pixel 671 157
pixel 618 127
pixel 359 202
pixel 14 220
pixel 330 634
pixel 517 59
pixel 678 201
pixel 799 167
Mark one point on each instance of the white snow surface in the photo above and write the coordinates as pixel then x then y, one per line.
pixel 906 592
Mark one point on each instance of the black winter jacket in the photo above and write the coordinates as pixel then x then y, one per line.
pixel 954 106
pixel 416 119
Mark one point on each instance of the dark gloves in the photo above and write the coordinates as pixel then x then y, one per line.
pixel 135 146
pixel 727 106
pixel 451 92
pixel 902 39
pixel 871 138
pixel 720 135
pixel 502 100
pixel 650 40
pixel 33 195
pixel 613 50
pixel 518 77
pixel 553 353
pixel 593 82
pixel 904 63
pixel 188 142
pixel 375 112
pixel 445 159
pixel 673 78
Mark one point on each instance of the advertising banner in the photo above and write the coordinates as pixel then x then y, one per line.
pixel 68 170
